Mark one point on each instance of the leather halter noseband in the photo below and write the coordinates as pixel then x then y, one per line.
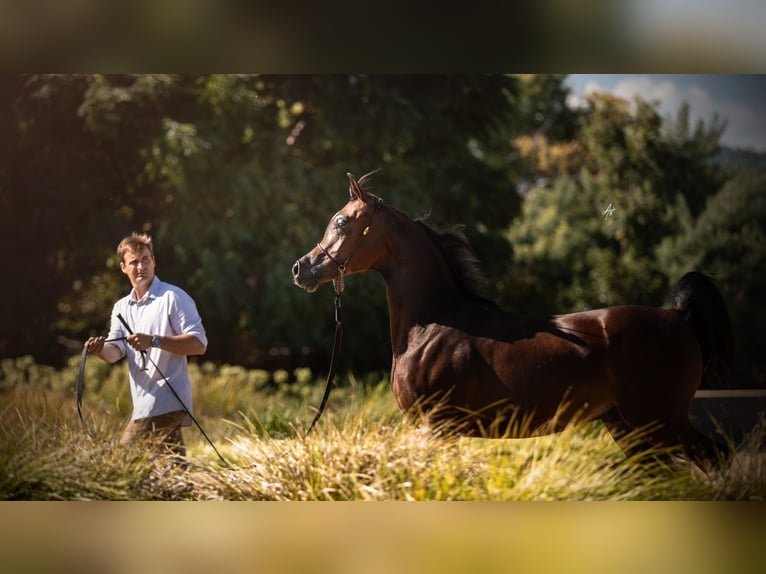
pixel 338 283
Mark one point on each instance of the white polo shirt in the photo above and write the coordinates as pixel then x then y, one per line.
pixel 164 310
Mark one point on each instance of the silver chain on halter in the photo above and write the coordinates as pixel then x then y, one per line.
pixel 338 283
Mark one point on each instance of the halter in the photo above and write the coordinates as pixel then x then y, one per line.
pixel 338 283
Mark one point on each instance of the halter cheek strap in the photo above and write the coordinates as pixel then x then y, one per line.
pixel 338 283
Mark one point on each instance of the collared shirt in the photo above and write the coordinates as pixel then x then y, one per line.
pixel 164 310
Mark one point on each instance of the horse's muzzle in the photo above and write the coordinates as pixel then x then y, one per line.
pixel 304 276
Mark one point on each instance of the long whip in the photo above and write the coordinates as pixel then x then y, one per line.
pixel 145 355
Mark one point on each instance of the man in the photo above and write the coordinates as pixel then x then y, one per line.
pixel 167 327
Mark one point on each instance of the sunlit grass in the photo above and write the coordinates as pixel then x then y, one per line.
pixel 362 449
pixel 405 461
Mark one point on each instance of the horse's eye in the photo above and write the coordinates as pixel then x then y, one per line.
pixel 341 221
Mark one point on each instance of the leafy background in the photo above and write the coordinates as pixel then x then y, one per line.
pixel 235 177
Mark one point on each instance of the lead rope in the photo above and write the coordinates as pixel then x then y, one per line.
pixel 80 387
pixel 338 285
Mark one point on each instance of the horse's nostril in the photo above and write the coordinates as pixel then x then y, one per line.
pixel 296 268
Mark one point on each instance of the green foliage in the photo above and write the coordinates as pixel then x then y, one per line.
pixel 727 240
pixel 592 237
pixel 236 176
pixel 543 109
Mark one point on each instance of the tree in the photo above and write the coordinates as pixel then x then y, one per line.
pixel 235 177
pixel 55 182
pixel 592 235
pixel 728 241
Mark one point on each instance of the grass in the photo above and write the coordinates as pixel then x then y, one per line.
pixel 363 449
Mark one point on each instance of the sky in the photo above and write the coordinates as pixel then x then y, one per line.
pixel 739 99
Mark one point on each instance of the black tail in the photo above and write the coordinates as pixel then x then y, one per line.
pixel 698 298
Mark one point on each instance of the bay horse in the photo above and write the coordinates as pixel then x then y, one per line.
pixel 458 357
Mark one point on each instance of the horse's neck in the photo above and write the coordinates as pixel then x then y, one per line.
pixel 420 287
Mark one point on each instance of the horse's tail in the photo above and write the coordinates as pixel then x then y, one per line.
pixel 698 298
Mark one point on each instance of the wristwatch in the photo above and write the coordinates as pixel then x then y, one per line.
pixel 156 341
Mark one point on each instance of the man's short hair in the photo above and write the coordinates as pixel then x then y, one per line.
pixel 135 242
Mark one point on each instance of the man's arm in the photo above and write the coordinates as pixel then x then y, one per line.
pixel 105 351
pixel 186 344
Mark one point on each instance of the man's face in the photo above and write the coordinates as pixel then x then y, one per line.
pixel 139 267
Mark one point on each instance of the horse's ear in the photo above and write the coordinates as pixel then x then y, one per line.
pixel 354 191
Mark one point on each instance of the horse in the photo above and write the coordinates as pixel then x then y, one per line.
pixel 459 358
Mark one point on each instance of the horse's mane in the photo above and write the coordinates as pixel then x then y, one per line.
pixel 454 245
pixel 459 256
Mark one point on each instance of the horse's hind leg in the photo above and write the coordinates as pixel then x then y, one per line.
pixel 660 438
pixel 633 443
pixel 698 447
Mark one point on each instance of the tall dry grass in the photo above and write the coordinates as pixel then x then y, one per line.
pixel 363 449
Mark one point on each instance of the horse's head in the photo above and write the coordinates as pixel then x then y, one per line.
pixel 345 247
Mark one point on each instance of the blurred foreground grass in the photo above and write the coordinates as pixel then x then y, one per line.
pixel 363 449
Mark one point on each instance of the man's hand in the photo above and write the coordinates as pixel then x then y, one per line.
pixel 139 341
pixel 105 351
pixel 95 344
